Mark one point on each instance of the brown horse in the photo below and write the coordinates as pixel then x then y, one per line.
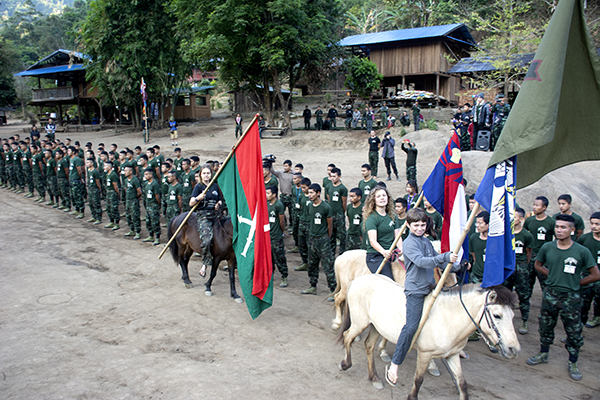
pixel 188 242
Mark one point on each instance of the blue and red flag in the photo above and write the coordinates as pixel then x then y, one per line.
pixel 445 191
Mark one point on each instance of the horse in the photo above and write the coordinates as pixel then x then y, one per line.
pixel 188 242
pixel 378 301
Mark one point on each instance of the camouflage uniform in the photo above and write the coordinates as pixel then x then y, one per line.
pixel 132 212
pixel 524 281
pixel 374 161
pixel 94 201
pixel 411 172
pixel 567 305
pixel 172 211
pixel 288 202
pixel 153 219
pixel 338 231
pixel 3 176
pixel 205 230
pixel 18 170
pixel 353 242
pixel 27 176
pixel 320 250
pixel 278 256
pixel 295 214
pixel 52 185
pixel 588 294
pixel 77 195
pixel 303 227
pixel 39 183
pixel 112 206
pixel 501 115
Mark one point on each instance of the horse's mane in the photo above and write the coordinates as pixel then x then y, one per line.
pixel 504 297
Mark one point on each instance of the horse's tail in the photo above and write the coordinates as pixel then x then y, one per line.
pixel 338 287
pixel 345 325
pixel 173 247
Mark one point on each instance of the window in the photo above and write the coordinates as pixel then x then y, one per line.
pixel 200 100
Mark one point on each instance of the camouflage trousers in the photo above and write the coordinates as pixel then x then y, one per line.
pixel 411 172
pixel 278 256
pixel 541 278
pixel 205 230
pixel 18 172
pixel 112 206
pixel 373 161
pixel 172 211
pixel 288 203
pixel 94 202
pixel 589 294
pixel 320 251
pixel 295 214
pixel 523 286
pixel 496 130
pixel 163 203
pixel 3 176
pixel 64 192
pixel 465 139
pixel 28 179
pixel 8 172
pixel 567 305
pixel 353 242
pixel 132 212
pixel 77 195
pixel 40 184
pixel 338 232
pixel 303 227
pixel 153 219
pixel 52 186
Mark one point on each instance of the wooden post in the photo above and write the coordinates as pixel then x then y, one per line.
pixel 437 84
pixel 79 111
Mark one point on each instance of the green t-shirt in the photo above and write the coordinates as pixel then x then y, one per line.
pixel 523 241
pixel 25 159
pixel 579 224
pixel 93 176
pixel 110 179
pixel 62 166
pixel 354 219
pixel 477 246
pixel 150 190
pixel 177 164
pixel 272 182
pixel 366 188
pixel 317 216
pixel 36 160
pixel 473 228
pixel 326 182
pixel 50 167
pixel 154 164
pixel 304 203
pixel 335 197
pixel 164 185
pixel 75 162
pixel 385 227
pixel 542 231
pixel 187 181
pixel 173 193
pixel 275 210
pixel 565 266
pixel 121 172
pixel 587 240
pixel 438 220
pixel 17 155
pixel 132 185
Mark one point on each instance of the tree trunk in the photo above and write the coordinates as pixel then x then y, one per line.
pixel 282 101
pixel 267 104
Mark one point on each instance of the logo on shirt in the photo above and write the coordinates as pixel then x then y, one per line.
pixel 571 262
pixel 391 223
pixel 541 230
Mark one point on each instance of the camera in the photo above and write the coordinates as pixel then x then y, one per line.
pixel 268 160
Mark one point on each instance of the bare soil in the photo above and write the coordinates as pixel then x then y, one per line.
pixel 88 314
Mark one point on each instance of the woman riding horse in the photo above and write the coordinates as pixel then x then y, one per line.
pixel 207 211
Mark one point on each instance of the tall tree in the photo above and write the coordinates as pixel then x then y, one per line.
pixel 362 76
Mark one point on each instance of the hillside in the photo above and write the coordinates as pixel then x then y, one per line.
pixel 46 7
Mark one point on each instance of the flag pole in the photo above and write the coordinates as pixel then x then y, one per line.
pixel 213 180
pixel 442 280
pixel 402 230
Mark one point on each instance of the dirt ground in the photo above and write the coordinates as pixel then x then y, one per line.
pixel 88 314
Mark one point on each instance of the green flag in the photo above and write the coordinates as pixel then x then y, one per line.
pixel 555 120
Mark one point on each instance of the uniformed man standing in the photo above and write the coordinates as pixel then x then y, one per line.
pixel 541 227
pixel 62 179
pixel 367 183
pixel 132 211
pixel 77 181
pixel 337 194
pixel 188 180
pixel 354 213
pixel 303 224
pixel 94 192
pixel 332 117
pixel 112 196
pixel 174 196
pixel 374 143
pixel 285 178
pixel 319 117
pixel 276 224
pixel 523 276
pixel 152 194
pixel 591 292
pixel 306 114
pixel 500 110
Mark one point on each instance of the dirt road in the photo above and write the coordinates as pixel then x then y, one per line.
pixel 88 314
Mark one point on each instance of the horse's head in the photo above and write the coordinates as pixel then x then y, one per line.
pixel 497 321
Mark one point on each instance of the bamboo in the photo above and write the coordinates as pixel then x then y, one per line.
pixel 402 230
pixel 213 180
pixel 442 280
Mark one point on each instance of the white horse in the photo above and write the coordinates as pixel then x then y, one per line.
pixel 377 301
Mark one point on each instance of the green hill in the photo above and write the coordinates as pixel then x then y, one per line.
pixel 46 7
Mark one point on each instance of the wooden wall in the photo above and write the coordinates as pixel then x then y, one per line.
pixel 193 110
pixel 410 59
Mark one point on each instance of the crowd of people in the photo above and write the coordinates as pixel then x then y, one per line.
pixel 323 218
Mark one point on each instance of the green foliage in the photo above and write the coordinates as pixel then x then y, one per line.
pixel 362 76
pixel 431 125
pixel 403 131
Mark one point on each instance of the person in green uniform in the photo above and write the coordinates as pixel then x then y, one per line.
pixel 411 159
pixel 383 114
pixel 38 170
pixel 174 196
pixel 62 180
pixel 112 196
pixel 303 224
pixel 132 211
pixel 164 189
pixel 178 161
pixel 436 218
pixel 160 159
pixel 319 117
pixel 17 167
pixel 522 274
pixel 101 160
pixel 76 181
pixel 296 209
pixel 337 195
pixel 416 112
pixel 276 211
pixel 51 182
pixel 78 150
pixel 26 165
pixel 3 177
pixel 128 161
pixel 374 144
pixel 153 162
pixel 541 227
pixel 367 184
pixel 94 184
pixel 285 177
pixel 562 262
pixel 500 112
pixel 591 292
pixel 564 205
pixel 401 206
pixel 8 165
pixel 354 211
pixel 152 192
pixel 188 180
pixel 319 241
pixel 382 227
pixel 412 194
pixel 327 178
pixel 477 245
pixel 270 180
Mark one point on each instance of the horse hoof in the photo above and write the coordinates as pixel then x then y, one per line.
pixel 385 358
pixel 335 326
pixel 208 293
pixel 239 300
pixel 189 285
pixel 378 385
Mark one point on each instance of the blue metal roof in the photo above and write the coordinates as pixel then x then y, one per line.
pixel 51 70
pixel 483 64
pixel 459 31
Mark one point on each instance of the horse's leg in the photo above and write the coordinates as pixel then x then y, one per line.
pixel 383 354
pixel 232 291
pixel 339 300
pixel 433 369
pixel 349 337
pixel 370 347
pixel 453 363
pixel 422 362
pixel 213 273
pixel 184 259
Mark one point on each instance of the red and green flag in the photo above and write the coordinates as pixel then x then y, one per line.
pixel 242 183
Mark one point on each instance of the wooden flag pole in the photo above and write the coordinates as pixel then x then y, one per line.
pixel 213 180
pixel 442 280
pixel 402 230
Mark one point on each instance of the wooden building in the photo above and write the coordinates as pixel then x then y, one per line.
pixel 193 103
pixel 417 58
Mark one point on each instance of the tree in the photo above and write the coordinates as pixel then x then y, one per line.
pixel 362 76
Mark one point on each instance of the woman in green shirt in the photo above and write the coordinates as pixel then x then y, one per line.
pixel 382 226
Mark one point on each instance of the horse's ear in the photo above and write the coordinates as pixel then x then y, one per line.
pixel 493 296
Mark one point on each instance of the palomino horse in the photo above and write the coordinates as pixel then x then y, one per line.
pixel 376 300
pixel 188 242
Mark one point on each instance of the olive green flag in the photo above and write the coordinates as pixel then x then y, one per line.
pixel 555 120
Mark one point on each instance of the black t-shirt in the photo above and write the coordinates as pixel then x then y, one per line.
pixel 213 196
pixel 374 143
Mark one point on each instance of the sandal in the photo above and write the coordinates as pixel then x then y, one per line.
pixel 202 271
pixel 387 377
